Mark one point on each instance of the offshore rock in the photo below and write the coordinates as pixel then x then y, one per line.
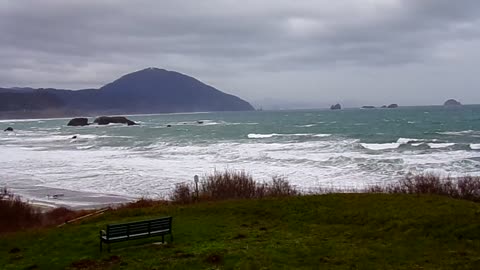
pixel 105 120
pixel 336 107
pixel 78 122
pixel 452 102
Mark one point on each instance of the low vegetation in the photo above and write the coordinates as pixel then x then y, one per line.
pixel 16 214
pixel 332 231
pixel 230 185
pixel 465 188
pixel 234 222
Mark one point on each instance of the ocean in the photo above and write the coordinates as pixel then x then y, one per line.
pixel 312 149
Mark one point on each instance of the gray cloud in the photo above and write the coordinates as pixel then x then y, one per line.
pixel 348 50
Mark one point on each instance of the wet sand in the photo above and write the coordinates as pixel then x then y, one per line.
pixel 47 198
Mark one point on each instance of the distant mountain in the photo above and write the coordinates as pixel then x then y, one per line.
pixel 150 90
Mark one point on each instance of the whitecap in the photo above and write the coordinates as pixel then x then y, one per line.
pixel 322 135
pixel 85 147
pixel 260 136
pixel 457 133
pixel 263 136
pixel 407 140
pixel 475 146
pixel 440 145
pixel 380 146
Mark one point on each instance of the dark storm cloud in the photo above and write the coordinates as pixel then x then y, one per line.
pixel 76 44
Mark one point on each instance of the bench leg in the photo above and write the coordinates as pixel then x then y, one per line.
pixel 163 239
pixel 108 247
pixel 171 237
pixel 100 245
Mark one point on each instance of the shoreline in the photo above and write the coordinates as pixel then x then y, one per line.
pixel 46 198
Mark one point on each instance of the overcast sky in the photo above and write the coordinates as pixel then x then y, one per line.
pixel 306 52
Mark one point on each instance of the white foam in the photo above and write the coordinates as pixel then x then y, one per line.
pixel 380 146
pixel 261 136
pixel 85 147
pixel 457 133
pixel 264 136
pixel 440 145
pixel 474 146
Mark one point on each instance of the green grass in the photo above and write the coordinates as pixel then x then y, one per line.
pixel 337 231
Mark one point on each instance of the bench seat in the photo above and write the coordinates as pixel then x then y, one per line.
pixel 136 230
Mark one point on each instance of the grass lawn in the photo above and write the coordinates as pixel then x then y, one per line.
pixel 338 231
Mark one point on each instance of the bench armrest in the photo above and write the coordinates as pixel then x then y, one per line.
pixel 102 233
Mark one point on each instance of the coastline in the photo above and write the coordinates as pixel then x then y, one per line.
pixel 45 198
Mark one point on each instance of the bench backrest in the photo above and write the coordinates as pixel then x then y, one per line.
pixel 132 228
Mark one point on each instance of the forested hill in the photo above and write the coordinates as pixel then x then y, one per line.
pixel 150 90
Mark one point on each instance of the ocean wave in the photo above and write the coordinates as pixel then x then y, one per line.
pixel 264 136
pixel 85 147
pixel 458 133
pixel 306 126
pixel 380 146
pixel 475 146
pixel 408 140
pixel 439 145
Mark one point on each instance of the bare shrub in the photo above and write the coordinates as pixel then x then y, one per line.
pixel 466 187
pixel 231 185
pixel 280 187
pixel 469 188
pixel 182 193
pixel 228 185
pixel 15 214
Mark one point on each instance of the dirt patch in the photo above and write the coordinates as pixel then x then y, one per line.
pixel 14 250
pixel 240 236
pixel 182 255
pixel 86 264
pixel 214 259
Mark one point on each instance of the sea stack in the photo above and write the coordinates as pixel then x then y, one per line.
pixel 392 106
pixel 105 120
pixel 78 122
pixel 336 107
pixel 452 103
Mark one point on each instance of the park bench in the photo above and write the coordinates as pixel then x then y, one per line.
pixel 136 230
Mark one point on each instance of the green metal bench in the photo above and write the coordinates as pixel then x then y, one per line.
pixel 136 230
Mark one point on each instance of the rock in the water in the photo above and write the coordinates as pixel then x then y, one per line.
pixel 336 107
pixel 169 125
pixel 199 122
pixel 74 137
pixel 368 107
pixel 78 122
pixel 105 120
pixel 384 106
pixel 392 106
pixel 452 102
pixel 8 129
